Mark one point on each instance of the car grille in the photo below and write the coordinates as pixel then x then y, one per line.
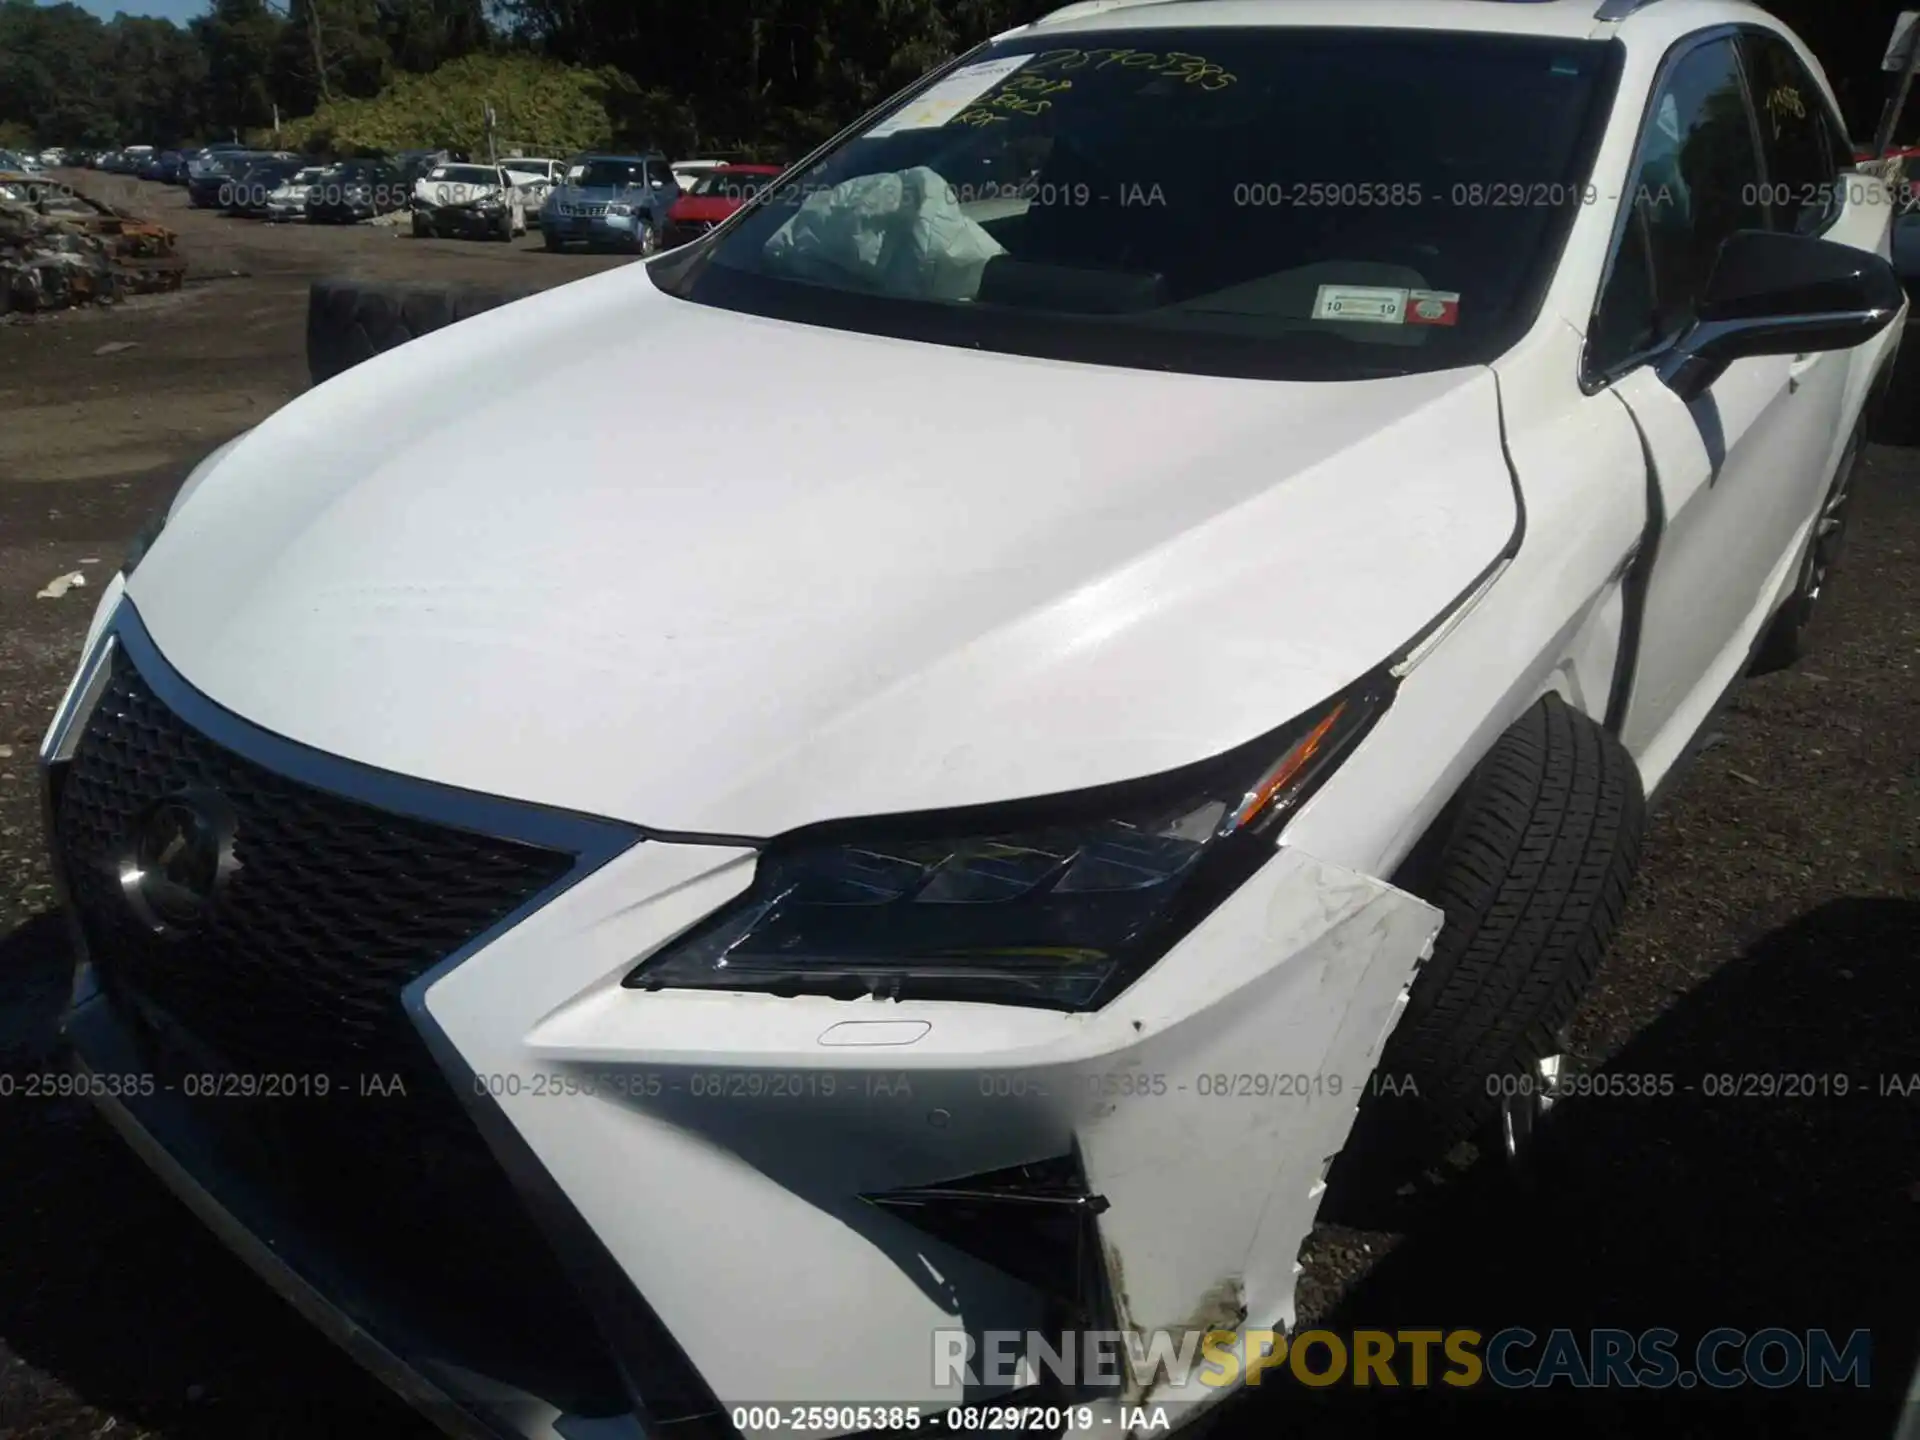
pixel 297 971
pixel 334 909
pixel 583 209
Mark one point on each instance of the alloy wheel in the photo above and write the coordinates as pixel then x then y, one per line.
pixel 1830 530
pixel 1522 1114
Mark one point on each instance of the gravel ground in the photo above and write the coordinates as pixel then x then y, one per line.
pixel 1775 931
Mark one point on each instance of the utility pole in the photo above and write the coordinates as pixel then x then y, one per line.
pixel 492 158
pixel 319 47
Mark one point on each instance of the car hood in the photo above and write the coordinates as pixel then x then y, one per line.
pixel 599 194
pixel 453 192
pixel 712 208
pixel 903 576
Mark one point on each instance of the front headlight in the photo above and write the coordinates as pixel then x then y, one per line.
pixel 618 209
pixel 1059 903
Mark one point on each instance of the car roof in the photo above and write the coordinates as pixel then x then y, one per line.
pixel 1657 21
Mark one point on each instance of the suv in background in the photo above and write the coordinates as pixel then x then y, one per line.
pixel 611 200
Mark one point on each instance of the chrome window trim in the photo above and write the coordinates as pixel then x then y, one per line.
pixel 1593 381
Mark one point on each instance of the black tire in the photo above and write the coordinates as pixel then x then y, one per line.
pixel 349 321
pixel 551 242
pixel 1531 864
pixel 1785 642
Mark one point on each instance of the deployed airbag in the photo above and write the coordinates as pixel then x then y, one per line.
pixel 901 233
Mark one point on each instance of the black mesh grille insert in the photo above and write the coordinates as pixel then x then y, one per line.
pixel 296 969
pixel 334 908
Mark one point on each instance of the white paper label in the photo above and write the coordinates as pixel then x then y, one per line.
pixel 948 97
pixel 1362 304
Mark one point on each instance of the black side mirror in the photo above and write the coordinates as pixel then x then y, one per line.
pixel 1772 294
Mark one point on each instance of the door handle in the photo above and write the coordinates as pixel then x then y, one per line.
pixel 1797 371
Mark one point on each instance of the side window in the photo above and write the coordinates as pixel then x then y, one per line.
pixel 658 173
pixel 1798 135
pixel 1695 181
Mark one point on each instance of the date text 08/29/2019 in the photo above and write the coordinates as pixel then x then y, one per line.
pixel 816 1419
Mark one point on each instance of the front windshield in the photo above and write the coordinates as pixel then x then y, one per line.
pixel 1315 203
pixel 611 174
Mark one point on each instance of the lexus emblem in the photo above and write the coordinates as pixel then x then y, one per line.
pixel 180 855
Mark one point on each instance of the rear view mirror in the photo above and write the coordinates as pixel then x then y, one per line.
pixel 1772 294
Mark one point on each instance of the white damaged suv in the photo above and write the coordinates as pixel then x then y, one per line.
pixel 1229 502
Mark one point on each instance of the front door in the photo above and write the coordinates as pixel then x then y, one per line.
pixel 1738 471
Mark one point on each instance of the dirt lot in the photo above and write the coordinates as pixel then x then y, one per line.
pixel 1776 931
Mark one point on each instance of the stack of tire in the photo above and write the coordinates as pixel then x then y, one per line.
pixel 349 321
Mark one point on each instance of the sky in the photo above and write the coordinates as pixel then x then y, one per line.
pixel 179 11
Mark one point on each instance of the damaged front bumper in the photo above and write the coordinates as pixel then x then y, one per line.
pixel 541 1203
pixel 461 219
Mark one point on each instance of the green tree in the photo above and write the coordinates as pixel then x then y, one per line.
pixel 56 74
pixel 239 39
pixel 158 74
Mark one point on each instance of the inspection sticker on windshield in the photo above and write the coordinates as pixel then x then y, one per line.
pixel 1364 304
pixel 1433 307
pixel 948 97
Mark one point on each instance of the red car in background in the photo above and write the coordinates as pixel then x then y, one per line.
pixel 714 197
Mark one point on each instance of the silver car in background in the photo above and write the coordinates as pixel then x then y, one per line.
pixel 289 198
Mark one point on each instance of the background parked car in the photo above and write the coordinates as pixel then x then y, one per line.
pixel 687 173
pixel 714 197
pixel 210 160
pixel 157 165
pixel 212 171
pixel 289 199
pixel 534 177
pixel 252 186
pixel 357 190
pixel 617 200
pixel 478 200
pixel 413 164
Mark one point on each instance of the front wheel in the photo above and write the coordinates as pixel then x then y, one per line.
pixel 421 229
pixel 551 241
pixel 646 239
pixel 1530 865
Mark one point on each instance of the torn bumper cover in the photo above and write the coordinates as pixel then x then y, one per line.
pixel 540 1201
pixel 472 218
